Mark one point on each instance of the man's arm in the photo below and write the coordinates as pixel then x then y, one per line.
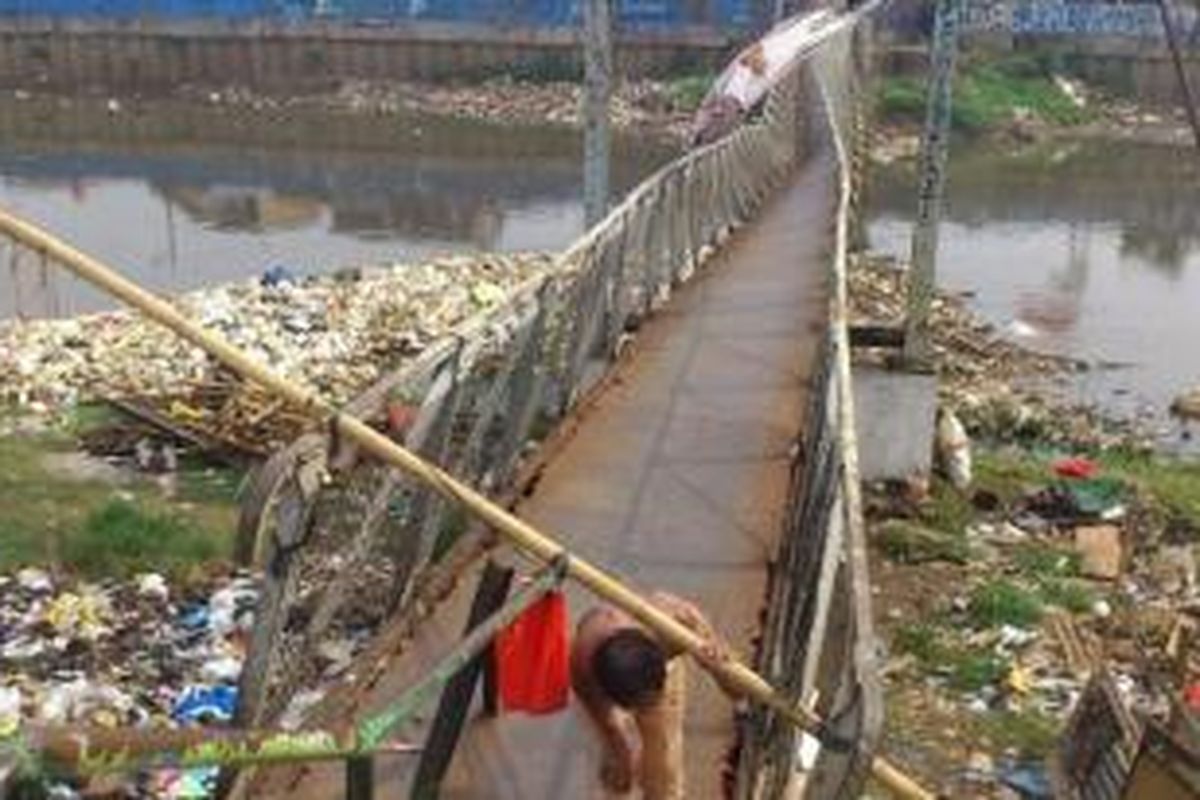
pixel 716 650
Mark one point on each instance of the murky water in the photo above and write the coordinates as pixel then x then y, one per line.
pixel 179 200
pixel 1089 249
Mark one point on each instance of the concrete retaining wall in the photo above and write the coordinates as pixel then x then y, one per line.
pixel 150 57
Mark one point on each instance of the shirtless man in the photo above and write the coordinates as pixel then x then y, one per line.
pixel 622 670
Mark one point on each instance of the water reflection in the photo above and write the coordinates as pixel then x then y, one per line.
pixel 1089 250
pixel 178 213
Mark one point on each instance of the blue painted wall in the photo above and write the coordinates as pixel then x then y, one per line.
pixel 632 13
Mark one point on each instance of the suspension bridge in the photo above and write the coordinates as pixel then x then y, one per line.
pixel 673 404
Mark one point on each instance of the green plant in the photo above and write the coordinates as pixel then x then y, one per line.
pixel 1001 602
pixel 1173 483
pixel 913 544
pixel 970 671
pixel 947 509
pixel 1031 733
pixel 965 669
pixel 1040 560
pixel 902 98
pixel 85 418
pixel 121 537
pixel 549 68
pixel 987 93
pixel 1008 473
pixel 920 640
pixel 1073 596
pixel 687 92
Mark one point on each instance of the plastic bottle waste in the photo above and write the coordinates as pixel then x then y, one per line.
pixel 953 449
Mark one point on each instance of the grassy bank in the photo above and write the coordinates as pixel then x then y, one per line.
pixel 65 511
pixel 987 95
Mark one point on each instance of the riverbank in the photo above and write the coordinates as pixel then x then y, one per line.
pixel 1019 101
pixel 1071 547
pixel 659 108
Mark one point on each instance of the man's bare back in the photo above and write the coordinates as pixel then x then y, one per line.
pixel 650 696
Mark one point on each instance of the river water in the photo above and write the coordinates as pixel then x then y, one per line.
pixel 181 198
pixel 1086 249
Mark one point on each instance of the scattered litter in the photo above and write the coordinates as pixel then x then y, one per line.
pixel 1027 778
pixel 1018 680
pixel 184 784
pixel 298 707
pixel 953 449
pixel 1100 551
pixel 1191 695
pixel 1095 496
pixel 153 586
pixel 222 670
pixel 10 710
pixel 1075 468
pixel 1187 405
pixel 205 705
pixel 1173 569
pixel 119 652
pixel 981 767
pixel 34 580
pixel 277 276
pixel 1073 90
pixel 78 616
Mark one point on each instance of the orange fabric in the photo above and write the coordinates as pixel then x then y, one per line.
pixel 532 658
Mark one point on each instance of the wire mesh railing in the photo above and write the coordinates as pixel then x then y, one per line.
pixel 818 643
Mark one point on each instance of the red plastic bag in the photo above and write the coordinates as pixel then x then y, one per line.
pixel 1075 468
pixel 1191 696
pixel 533 658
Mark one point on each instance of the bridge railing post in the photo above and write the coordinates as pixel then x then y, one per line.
pixel 935 146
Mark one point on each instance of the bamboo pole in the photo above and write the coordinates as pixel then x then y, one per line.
pixel 519 533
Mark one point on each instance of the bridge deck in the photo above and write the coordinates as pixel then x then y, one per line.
pixel 676 480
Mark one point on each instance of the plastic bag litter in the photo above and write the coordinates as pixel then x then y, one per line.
pixel 10 710
pixel 35 580
pixel 197 783
pixel 953 449
pixel 81 700
pixel 205 704
pixel 79 616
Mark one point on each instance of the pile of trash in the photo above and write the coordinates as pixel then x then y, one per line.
pixel 123 653
pixel 1052 578
pixel 332 334
pixel 644 104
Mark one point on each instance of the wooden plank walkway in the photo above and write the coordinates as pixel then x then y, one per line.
pixel 676 480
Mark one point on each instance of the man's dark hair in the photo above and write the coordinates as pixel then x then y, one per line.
pixel 630 667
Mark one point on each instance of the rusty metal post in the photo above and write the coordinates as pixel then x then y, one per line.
pixel 452 709
pixel 597 87
pixel 935 145
pixel 360 778
pixel 1185 86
